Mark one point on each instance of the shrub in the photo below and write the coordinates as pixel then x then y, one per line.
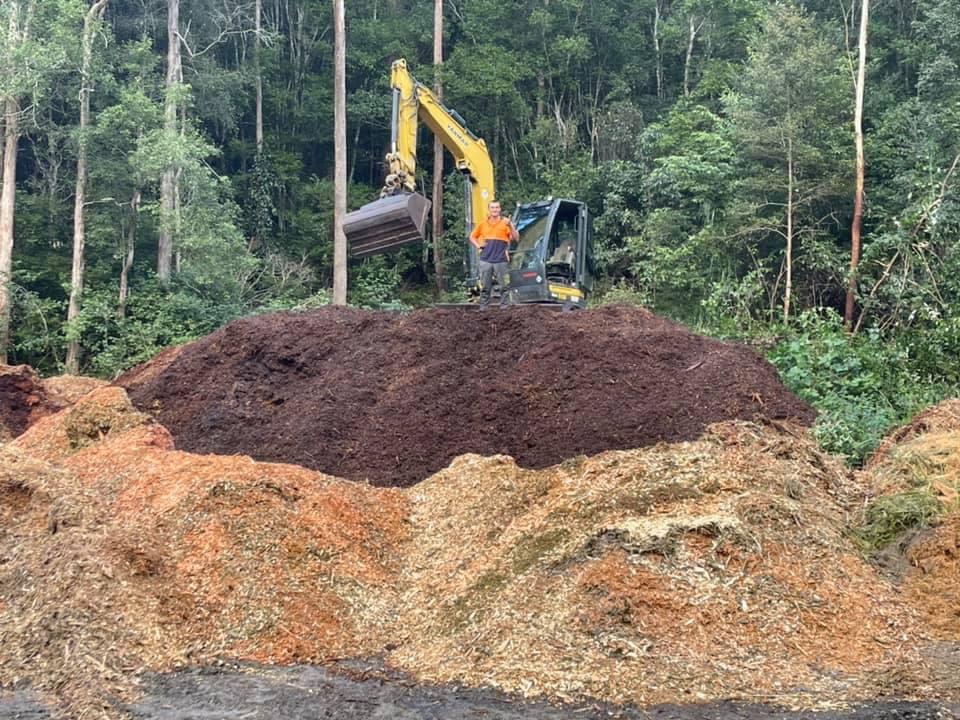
pixel 862 386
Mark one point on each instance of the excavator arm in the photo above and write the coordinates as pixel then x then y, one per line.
pixel 413 102
pixel 399 217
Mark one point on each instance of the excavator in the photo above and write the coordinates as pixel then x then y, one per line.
pixel 551 263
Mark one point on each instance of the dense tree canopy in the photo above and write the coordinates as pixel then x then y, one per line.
pixel 712 140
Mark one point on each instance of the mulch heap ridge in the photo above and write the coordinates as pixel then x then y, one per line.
pixel 392 399
pixel 23 400
pixel 920 463
pixel 719 568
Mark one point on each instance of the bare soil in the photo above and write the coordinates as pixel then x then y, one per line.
pixel 367 693
pixel 393 398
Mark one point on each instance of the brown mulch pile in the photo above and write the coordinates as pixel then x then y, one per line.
pixel 392 399
pixel 718 568
pixel 23 400
pixel 119 553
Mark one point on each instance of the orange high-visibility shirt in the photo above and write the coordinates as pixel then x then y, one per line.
pixel 497 230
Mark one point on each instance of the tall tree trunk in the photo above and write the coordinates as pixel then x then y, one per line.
pixel 339 156
pixel 858 197
pixel 438 148
pixel 128 256
pixel 18 32
pixel 658 49
pixel 79 230
pixel 7 199
pixel 788 259
pixel 168 182
pixel 258 12
pixel 353 155
pixel 691 39
pixel 541 94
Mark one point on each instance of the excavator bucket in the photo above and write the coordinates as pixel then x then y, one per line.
pixel 385 224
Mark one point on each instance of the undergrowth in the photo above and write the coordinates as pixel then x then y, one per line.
pixel 861 386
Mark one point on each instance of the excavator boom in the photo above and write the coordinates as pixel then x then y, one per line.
pixel 399 217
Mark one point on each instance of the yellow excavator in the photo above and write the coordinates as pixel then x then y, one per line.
pixel 552 262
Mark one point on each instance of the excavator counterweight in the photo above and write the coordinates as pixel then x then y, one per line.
pixel 386 224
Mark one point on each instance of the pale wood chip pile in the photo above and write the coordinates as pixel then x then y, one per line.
pixel 933 584
pixel 713 569
pixel 124 554
pixel 66 390
pixel 942 417
pixel 925 457
pixel 719 568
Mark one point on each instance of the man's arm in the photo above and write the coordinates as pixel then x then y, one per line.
pixel 514 234
pixel 475 237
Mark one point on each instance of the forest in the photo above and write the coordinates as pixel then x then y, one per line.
pixel 168 166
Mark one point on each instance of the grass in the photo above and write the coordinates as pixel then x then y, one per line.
pixel 889 517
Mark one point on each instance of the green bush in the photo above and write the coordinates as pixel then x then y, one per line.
pixel 935 350
pixel 37 331
pixel 861 386
pixel 376 286
pixel 156 318
pixel 622 292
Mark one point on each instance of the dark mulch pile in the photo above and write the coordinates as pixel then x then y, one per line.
pixel 392 399
pixel 23 399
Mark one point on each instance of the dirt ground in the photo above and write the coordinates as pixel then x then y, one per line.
pixel 364 691
pixel 393 398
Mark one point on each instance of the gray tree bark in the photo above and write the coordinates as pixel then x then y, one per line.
pixel 168 182
pixel 858 193
pixel 7 200
pixel 258 12
pixel 340 157
pixel 19 31
pixel 789 251
pixel 131 238
pixel 94 14
pixel 693 31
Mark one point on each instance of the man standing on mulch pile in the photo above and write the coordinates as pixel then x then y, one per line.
pixel 492 238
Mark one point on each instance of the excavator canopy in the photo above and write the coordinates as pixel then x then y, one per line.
pixel 386 224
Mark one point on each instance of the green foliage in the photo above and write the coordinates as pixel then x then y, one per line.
pixel 37 335
pixel 861 386
pixel 934 351
pixel 375 286
pixel 888 517
pixel 157 317
pixel 260 213
pixel 622 293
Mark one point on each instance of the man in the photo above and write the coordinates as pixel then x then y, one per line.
pixel 492 237
pixel 564 254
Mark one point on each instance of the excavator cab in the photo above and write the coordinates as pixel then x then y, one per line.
pixel 552 261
